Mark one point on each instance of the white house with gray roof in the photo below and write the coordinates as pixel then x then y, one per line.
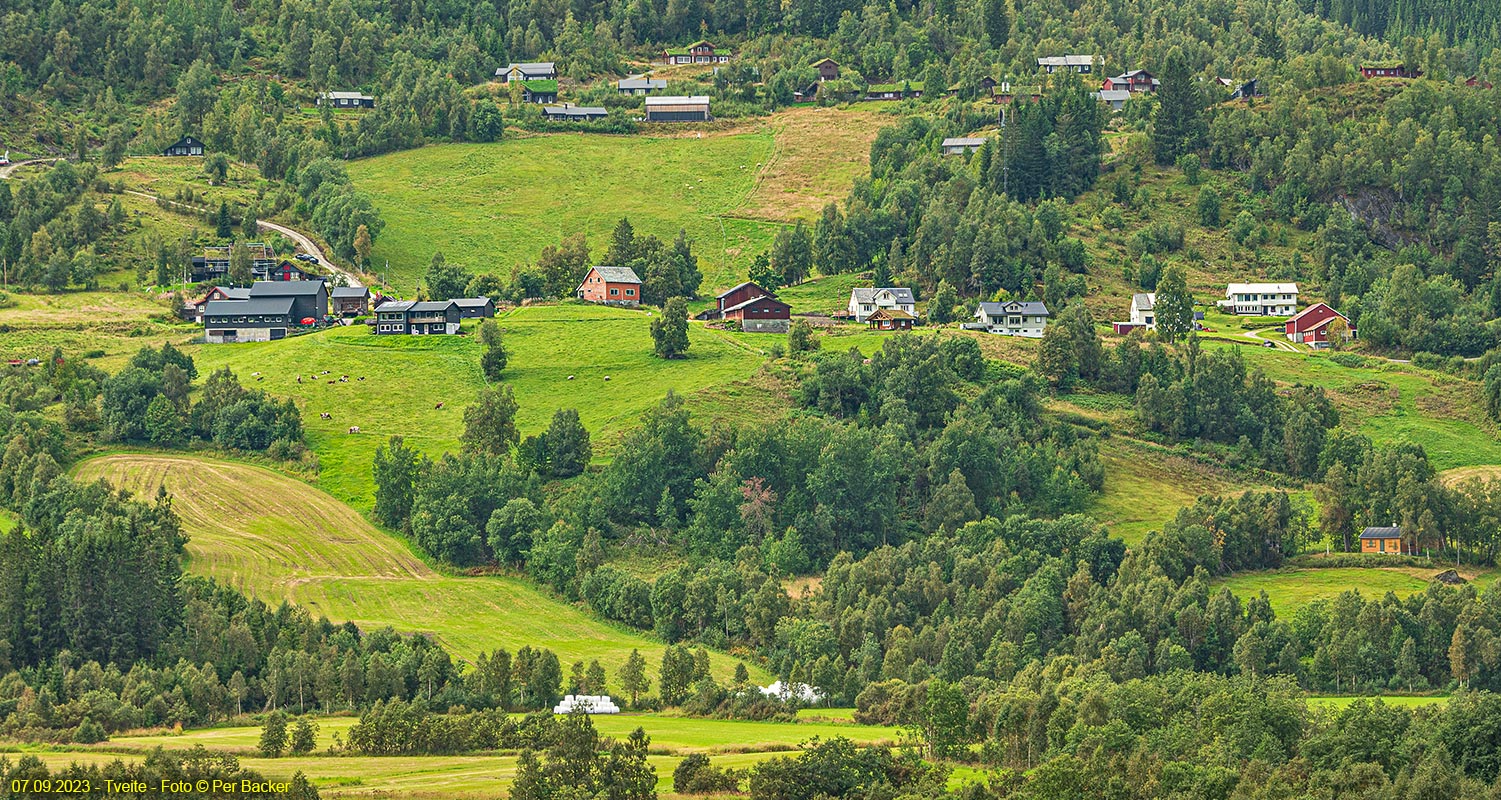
pixel 1079 63
pixel 1261 299
pixel 864 302
pixel 1013 318
pixel 640 84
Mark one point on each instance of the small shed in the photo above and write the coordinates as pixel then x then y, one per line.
pixel 349 301
pixel 567 112
pixel 962 145
pixel 346 100
pixel 475 307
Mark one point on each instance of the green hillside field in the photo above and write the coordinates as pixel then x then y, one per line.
pixel 406 377
pixel 1289 588
pixel 276 538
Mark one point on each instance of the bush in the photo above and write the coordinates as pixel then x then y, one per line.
pixel 1349 360
pixel 695 775
pixel 89 732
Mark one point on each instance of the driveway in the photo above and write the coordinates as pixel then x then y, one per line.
pixel 5 171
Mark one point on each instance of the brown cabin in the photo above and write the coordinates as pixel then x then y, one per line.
pixel 890 319
pixel 828 69
pixel 1387 540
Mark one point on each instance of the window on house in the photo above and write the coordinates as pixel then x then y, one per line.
pixel 630 292
pixel 614 292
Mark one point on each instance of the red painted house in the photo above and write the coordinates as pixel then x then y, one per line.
pixel 1137 80
pixel 615 286
pixel 1311 325
pixel 287 271
pixel 764 314
pixel 1386 71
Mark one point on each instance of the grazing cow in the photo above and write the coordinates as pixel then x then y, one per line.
pixel 440 405
pixel 330 381
pixel 607 377
pixel 261 378
pixel 326 415
pixel 570 377
pixel 354 429
pixel 299 379
pixel 362 377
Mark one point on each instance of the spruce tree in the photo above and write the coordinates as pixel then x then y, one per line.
pixel 1179 125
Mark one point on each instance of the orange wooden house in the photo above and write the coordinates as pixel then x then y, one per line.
pixel 616 286
pixel 1386 539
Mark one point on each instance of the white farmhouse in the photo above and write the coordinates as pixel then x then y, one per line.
pixel 1013 318
pixel 1261 299
pixel 864 302
pixel 1144 310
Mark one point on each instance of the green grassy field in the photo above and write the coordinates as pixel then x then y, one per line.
pixel 731 743
pixel 1392 402
pixel 1287 589
pixel 491 207
pixel 277 538
pixel 1400 701
pixel 406 376
pixel 118 323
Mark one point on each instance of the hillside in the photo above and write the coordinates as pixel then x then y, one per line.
pixel 493 207
pixel 277 539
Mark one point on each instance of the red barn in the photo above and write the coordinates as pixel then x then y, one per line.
pixel 764 314
pixel 1311 325
pixel 615 286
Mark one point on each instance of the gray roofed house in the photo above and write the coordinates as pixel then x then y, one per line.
pixel 1013 318
pixel 475 307
pixel 527 71
pixel 865 301
pixel 678 109
pixel 419 318
pixel 959 145
pixel 641 85
pixel 255 319
pixel 610 285
pixel 1386 539
pixel 1115 98
pixel 310 297
pixel 1077 62
pixel 349 301
pixel 346 100
pixel 568 112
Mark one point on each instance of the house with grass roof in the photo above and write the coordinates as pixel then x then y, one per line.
pixel 700 52
pixel 541 92
pixel 894 91
pixel 1387 69
pixel 828 69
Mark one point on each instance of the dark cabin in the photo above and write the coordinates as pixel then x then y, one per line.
pixel 475 307
pixel 309 298
pixel 186 146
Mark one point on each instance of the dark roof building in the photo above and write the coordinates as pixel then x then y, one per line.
pixel 349 301
pixel 475 307
pixel 572 113
pixel 186 146
pixel 256 319
pixel 527 71
pixel 309 298
pixel 641 85
pixel 678 109
pixel 346 100
pixel 539 91
pixel 425 318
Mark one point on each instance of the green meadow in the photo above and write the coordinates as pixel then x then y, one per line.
pixel 595 359
pixel 277 538
pixel 493 207
pixel 1289 588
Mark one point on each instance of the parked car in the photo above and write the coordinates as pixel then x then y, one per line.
pixel 308 257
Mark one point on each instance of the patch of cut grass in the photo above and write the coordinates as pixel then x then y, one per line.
pixel 1287 589
pixel 277 538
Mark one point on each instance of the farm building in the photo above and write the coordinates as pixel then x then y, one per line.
pixel 1386 539
pixel 475 307
pixel 186 146
pixel 1311 325
pixel 539 91
pixel 567 112
pixel 641 85
pixel 310 298
pixel 1387 70
pixel 1261 299
pixel 755 308
pixel 193 309
pixel 1137 80
pixel 962 145
pixel 417 318
pixel 677 109
pixel 349 301
pixel 286 271
pixel 700 52
pixel 890 319
pixel 527 71
pixel 894 91
pixel 1012 318
pixel 828 69
pixel 346 100
pixel 615 286
pixel 866 301
pixel 1081 64
pixel 255 319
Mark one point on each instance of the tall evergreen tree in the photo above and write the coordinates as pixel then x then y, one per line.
pixel 1179 126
